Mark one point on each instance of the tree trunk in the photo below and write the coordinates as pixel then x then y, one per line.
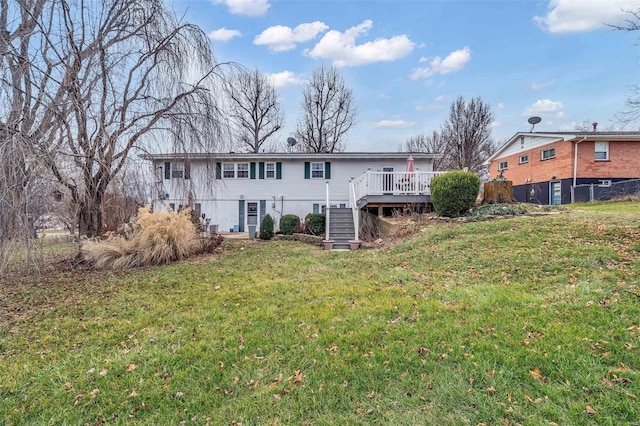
pixel 90 216
pixel 498 191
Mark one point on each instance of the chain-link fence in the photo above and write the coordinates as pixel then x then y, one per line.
pixel 605 190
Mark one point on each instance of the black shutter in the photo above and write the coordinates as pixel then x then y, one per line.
pixel 307 170
pixel 241 216
pixel 252 170
pixel 327 170
pixel 167 170
pixel 187 171
pixel 218 170
pixel 261 170
pixel 278 170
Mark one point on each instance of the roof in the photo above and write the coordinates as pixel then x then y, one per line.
pixel 633 136
pixel 294 156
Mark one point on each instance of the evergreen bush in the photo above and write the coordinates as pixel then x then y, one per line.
pixel 315 223
pixel 266 227
pixel 288 223
pixel 454 193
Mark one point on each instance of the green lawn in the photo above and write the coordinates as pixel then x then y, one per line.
pixel 532 321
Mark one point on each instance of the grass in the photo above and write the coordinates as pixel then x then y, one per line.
pixel 519 321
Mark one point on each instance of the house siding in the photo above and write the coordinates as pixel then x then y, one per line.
pixel 288 193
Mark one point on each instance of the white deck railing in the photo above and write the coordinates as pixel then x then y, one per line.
pixel 393 183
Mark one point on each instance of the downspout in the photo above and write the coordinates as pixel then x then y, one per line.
pixel 575 167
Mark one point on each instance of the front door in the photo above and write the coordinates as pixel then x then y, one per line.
pixel 555 193
pixel 252 214
pixel 387 182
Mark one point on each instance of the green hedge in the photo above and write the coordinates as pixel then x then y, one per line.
pixel 266 227
pixel 315 223
pixel 454 193
pixel 288 223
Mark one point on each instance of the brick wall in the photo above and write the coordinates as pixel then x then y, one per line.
pixel 536 169
pixel 624 162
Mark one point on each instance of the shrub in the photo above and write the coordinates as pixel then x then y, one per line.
pixel 288 222
pixel 316 223
pixel 454 193
pixel 266 227
pixel 155 238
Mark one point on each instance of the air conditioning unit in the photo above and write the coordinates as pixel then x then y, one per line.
pixel 163 196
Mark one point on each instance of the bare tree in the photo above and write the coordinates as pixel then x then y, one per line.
pixel 97 81
pixel 430 143
pixel 328 112
pixel 632 112
pixel 467 135
pixel 254 109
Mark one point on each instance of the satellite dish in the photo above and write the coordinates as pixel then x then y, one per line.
pixel 291 141
pixel 533 121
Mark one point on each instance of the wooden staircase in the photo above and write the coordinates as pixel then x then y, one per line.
pixel 341 228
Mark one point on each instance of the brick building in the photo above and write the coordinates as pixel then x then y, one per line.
pixel 545 166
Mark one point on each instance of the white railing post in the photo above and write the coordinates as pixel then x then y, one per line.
pixel 354 210
pixel 326 210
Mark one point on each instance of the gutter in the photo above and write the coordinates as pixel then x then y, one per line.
pixel 575 160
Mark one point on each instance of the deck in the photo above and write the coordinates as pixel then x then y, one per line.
pixel 393 188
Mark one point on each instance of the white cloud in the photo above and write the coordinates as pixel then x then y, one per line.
pixel 495 124
pixel 455 61
pixel 384 96
pixel 223 34
pixel 281 80
pixel 395 124
pixel 501 105
pixel 343 50
pixel 544 84
pixel 570 16
pixel 280 38
pixel 439 98
pixel 245 7
pixel 543 106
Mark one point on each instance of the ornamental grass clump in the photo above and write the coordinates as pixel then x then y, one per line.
pixel 156 238
pixel 454 193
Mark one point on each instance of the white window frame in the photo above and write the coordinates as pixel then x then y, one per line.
pixel 604 145
pixel 551 154
pixel 605 183
pixel 524 159
pixel 228 171
pixel 269 170
pixel 503 165
pixel 177 170
pixel 319 173
pixel 243 170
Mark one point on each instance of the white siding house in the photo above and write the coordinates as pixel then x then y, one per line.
pixel 234 190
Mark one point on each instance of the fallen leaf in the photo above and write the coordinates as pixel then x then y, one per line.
pixel 104 372
pixel 490 373
pixel 536 374
pixel 333 348
pixel 371 394
pixel 491 389
pixel 91 371
pixel 131 367
pixel 94 393
pixel 68 386
pixel 590 410
pixel 423 351
pixel 299 376
pixel 220 365
pixel 179 394
pixel 77 399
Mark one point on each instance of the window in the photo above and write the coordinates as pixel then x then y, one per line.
pixel 270 170
pixel 605 183
pixel 502 165
pixel 317 170
pixel 58 196
pixel 524 159
pixel 228 171
pixel 243 170
pixel 546 154
pixel 602 151
pixel 187 171
pixel 177 170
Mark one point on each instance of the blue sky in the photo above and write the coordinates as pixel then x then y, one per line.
pixel 406 61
